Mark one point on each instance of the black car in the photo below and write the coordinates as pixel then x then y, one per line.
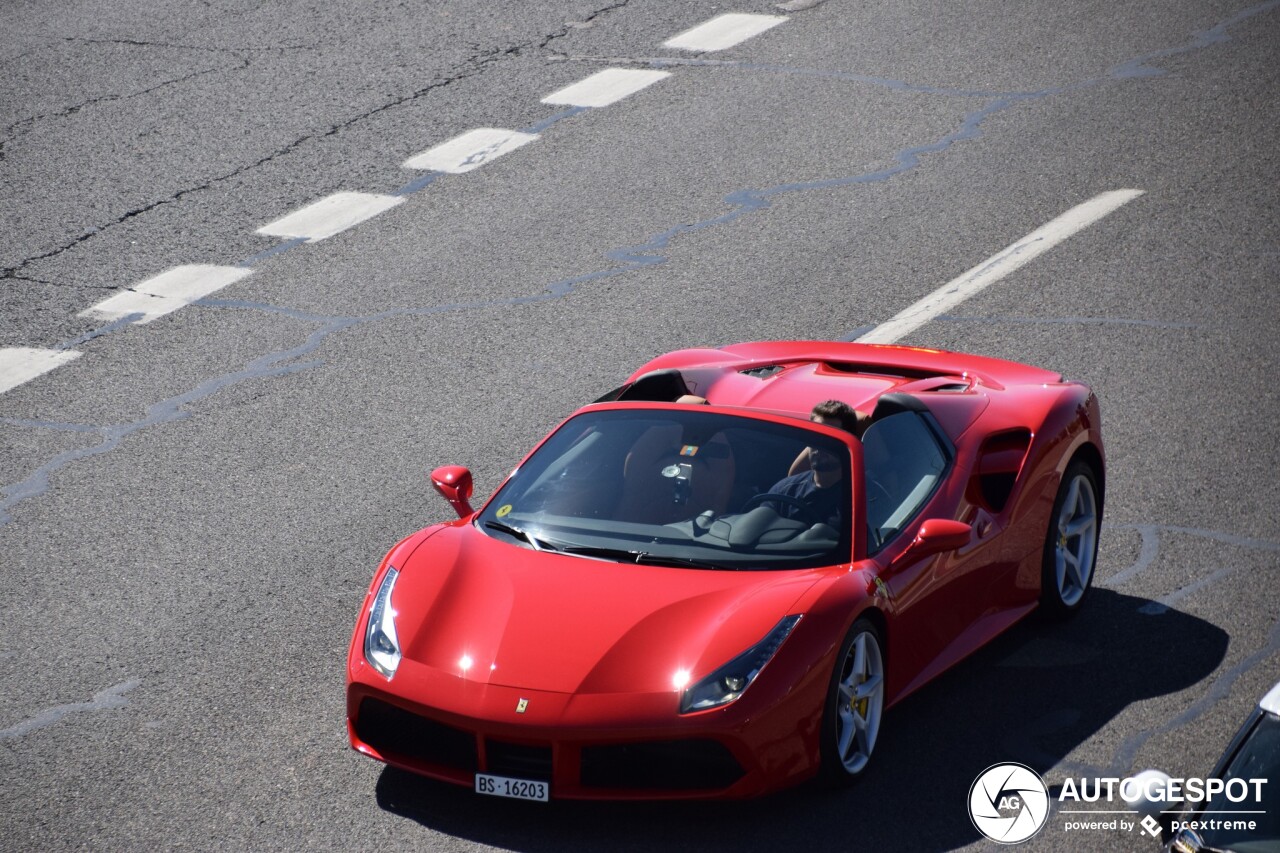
pixel 1242 817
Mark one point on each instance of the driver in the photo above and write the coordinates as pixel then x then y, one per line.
pixel 815 487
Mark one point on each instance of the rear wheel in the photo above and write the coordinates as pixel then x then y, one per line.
pixel 855 705
pixel 1071 546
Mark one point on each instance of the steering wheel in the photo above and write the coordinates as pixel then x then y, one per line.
pixel 876 485
pixel 880 515
pixel 806 512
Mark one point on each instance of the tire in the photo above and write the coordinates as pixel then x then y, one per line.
pixel 855 705
pixel 1071 544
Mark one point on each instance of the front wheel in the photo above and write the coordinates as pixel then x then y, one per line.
pixel 855 705
pixel 1071 546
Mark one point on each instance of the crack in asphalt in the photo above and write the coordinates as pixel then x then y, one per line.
pixel 741 203
pixel 233 51
pixel 20 127
pixel 462 71
pixel 570 26
pixel 70 285
pixel 481 58
pixel 632 258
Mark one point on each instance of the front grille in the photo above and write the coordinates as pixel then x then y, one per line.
pixel 394 731
pixel 677 765
pixel 519 760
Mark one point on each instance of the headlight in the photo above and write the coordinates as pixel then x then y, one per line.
pixel 729 681
pixel 381 645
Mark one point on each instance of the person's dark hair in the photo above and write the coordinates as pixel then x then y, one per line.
pixel 842 413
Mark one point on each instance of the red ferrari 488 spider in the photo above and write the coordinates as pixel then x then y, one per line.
pixel 699 587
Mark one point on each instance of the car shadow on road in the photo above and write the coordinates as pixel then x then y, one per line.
pixel 1032 696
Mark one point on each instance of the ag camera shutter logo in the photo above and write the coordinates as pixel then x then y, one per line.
pixel 1008 803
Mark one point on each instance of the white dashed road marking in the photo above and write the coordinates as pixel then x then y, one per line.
pixel 330 216
pixel 605 87
pixel 22 364
pixel 166 292
pixel 470 150
pixel 723 32
pixel 998 266
pixel 183 285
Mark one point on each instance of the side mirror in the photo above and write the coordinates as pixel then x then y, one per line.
pixel 453 482
pixel 937 535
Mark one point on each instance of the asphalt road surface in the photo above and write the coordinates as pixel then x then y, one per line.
pixel 216 418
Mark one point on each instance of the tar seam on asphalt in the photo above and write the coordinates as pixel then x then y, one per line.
pixel 103 700
pixel 646 254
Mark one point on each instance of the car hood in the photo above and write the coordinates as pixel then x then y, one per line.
pixel 497 613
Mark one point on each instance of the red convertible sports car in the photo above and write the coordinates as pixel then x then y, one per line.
pixel 698 586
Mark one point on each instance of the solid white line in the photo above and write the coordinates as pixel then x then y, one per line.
pixel 470 150
pixel 22 364
pixel 330 215
pixel 169 291
pixel 605 87
pixel 723 32
pixel 998 266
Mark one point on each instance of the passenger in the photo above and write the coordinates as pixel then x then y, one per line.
pixel 815 472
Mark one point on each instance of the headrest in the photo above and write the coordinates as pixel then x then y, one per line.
pixel 894 404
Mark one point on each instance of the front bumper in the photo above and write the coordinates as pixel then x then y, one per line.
pixel 616 746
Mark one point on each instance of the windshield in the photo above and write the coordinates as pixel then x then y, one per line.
pixel 681 486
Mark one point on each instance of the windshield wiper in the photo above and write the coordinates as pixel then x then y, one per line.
pixel 617 554
pixel 689 562
pixel 524 535
pixel 639 557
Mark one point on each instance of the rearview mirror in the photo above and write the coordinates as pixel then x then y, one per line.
pixel 453 482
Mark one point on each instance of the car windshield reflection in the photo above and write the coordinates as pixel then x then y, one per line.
pixel 682 487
